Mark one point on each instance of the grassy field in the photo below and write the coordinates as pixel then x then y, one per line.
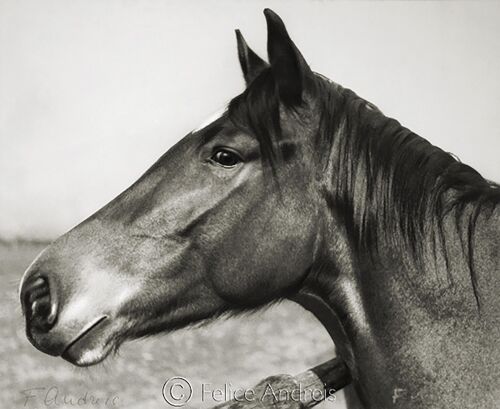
pixel 235 352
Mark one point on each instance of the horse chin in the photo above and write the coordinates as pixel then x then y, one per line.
pixel 86 357
pixel 91 346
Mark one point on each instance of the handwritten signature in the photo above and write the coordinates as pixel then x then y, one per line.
pixel 52 396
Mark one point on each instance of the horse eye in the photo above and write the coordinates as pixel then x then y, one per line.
pixel 226 158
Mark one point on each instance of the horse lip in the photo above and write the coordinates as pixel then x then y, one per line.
pixel 86 330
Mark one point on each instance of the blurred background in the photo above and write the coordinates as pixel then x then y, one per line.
pixel 93 92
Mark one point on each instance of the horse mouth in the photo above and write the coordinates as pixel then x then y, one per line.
pixel 89 347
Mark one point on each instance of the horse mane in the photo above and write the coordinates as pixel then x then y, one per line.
pixel 382 177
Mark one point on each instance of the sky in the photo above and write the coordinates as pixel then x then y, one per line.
pixel 93 92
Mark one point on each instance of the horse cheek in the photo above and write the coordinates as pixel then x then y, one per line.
pixel 264 261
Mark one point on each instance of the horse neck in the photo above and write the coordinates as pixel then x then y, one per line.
pixel 403 203
pixel 410 291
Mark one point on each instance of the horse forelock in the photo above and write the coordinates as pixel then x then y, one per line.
pixel 256 111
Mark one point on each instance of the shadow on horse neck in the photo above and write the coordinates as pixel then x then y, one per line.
pixel 298 186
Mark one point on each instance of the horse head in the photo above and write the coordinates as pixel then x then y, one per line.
pixel 226 220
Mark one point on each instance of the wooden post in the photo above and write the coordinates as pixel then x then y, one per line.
pixel 302 391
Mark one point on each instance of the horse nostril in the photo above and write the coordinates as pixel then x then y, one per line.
pixel 39 303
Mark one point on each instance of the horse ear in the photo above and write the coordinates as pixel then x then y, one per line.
pixel 289 68
pixel 251 64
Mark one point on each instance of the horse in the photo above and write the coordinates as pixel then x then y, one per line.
pixel 298 186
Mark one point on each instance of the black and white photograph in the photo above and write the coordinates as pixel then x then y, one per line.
pixel 228 204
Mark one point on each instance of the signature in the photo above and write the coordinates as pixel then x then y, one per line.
pixel 53 396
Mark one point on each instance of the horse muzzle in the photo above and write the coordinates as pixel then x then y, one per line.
pixel 78 328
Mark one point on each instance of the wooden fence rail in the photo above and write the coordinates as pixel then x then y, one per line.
pixel 304 390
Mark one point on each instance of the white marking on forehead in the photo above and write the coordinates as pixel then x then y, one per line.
pixel 212 118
